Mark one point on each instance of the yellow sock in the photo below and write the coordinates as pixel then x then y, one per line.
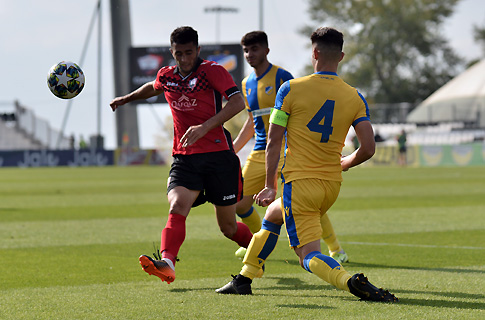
pixel 251 219
pixel 261 246
pixel 327 269
pixel 328 234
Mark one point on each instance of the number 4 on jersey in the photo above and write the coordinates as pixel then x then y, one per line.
pixel 326 113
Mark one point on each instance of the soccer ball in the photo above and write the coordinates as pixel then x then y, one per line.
pixel 65 79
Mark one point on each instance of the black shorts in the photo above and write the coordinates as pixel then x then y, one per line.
pixel 216 174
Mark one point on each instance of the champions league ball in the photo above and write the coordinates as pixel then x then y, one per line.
pixel 65 80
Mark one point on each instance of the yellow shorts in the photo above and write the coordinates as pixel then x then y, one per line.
pixel 254 172
pixel 303 202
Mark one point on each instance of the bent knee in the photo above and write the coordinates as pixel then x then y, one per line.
pixel 228 230
pixel 273 214
pixel 178 208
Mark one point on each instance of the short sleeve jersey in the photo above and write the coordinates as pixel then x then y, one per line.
pixel 259 96
pixel 321 108
pixel 195 98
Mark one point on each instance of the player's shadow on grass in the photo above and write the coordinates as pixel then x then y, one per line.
pixel 442 304
pixel 447 294
pixel 184 290
pixel 437 303
pixel 303 306
pixel 382 266
pixel 282 283
pixel 293 262
pixel 298 284
pixel 288 283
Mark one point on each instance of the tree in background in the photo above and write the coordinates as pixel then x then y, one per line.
pixel 394 49
pixel 479 35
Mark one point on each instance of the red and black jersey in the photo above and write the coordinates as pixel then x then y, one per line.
pixel 193 100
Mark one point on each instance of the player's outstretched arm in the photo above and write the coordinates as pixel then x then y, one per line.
pixel 367 148
pixel 144 92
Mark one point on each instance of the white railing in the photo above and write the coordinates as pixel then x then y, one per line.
pixel 26 130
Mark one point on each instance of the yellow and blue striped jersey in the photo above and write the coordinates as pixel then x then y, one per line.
pixel 319 110
pixel 259 95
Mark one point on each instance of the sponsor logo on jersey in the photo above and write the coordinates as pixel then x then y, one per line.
pixel 184 103
pixel 183 98
pixel 172 84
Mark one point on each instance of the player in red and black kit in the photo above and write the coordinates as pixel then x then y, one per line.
pixel 205 167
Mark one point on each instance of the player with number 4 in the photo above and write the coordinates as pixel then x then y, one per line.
pixel 314 114
pixel 259 90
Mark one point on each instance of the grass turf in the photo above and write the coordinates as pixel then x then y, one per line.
pixel 70 240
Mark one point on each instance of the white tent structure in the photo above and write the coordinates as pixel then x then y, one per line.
pixel 460 100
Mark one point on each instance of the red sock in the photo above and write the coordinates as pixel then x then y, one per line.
pixel 173 235
pixel 242 236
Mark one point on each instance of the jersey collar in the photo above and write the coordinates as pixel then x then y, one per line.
pixel 197 64
pixel 327 73
pixel 264 73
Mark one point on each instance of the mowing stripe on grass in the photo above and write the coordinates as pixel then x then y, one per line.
pixel 411 245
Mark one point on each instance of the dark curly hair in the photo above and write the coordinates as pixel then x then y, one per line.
pixel 183 35
pixel 254 37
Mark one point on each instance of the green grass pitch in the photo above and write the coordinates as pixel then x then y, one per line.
pixel 70 240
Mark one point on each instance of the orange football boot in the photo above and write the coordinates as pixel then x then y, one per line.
pixel 157 268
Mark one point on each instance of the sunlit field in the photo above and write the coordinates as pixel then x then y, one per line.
pixel 70 239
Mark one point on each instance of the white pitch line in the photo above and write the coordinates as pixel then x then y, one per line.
pixel 411 245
